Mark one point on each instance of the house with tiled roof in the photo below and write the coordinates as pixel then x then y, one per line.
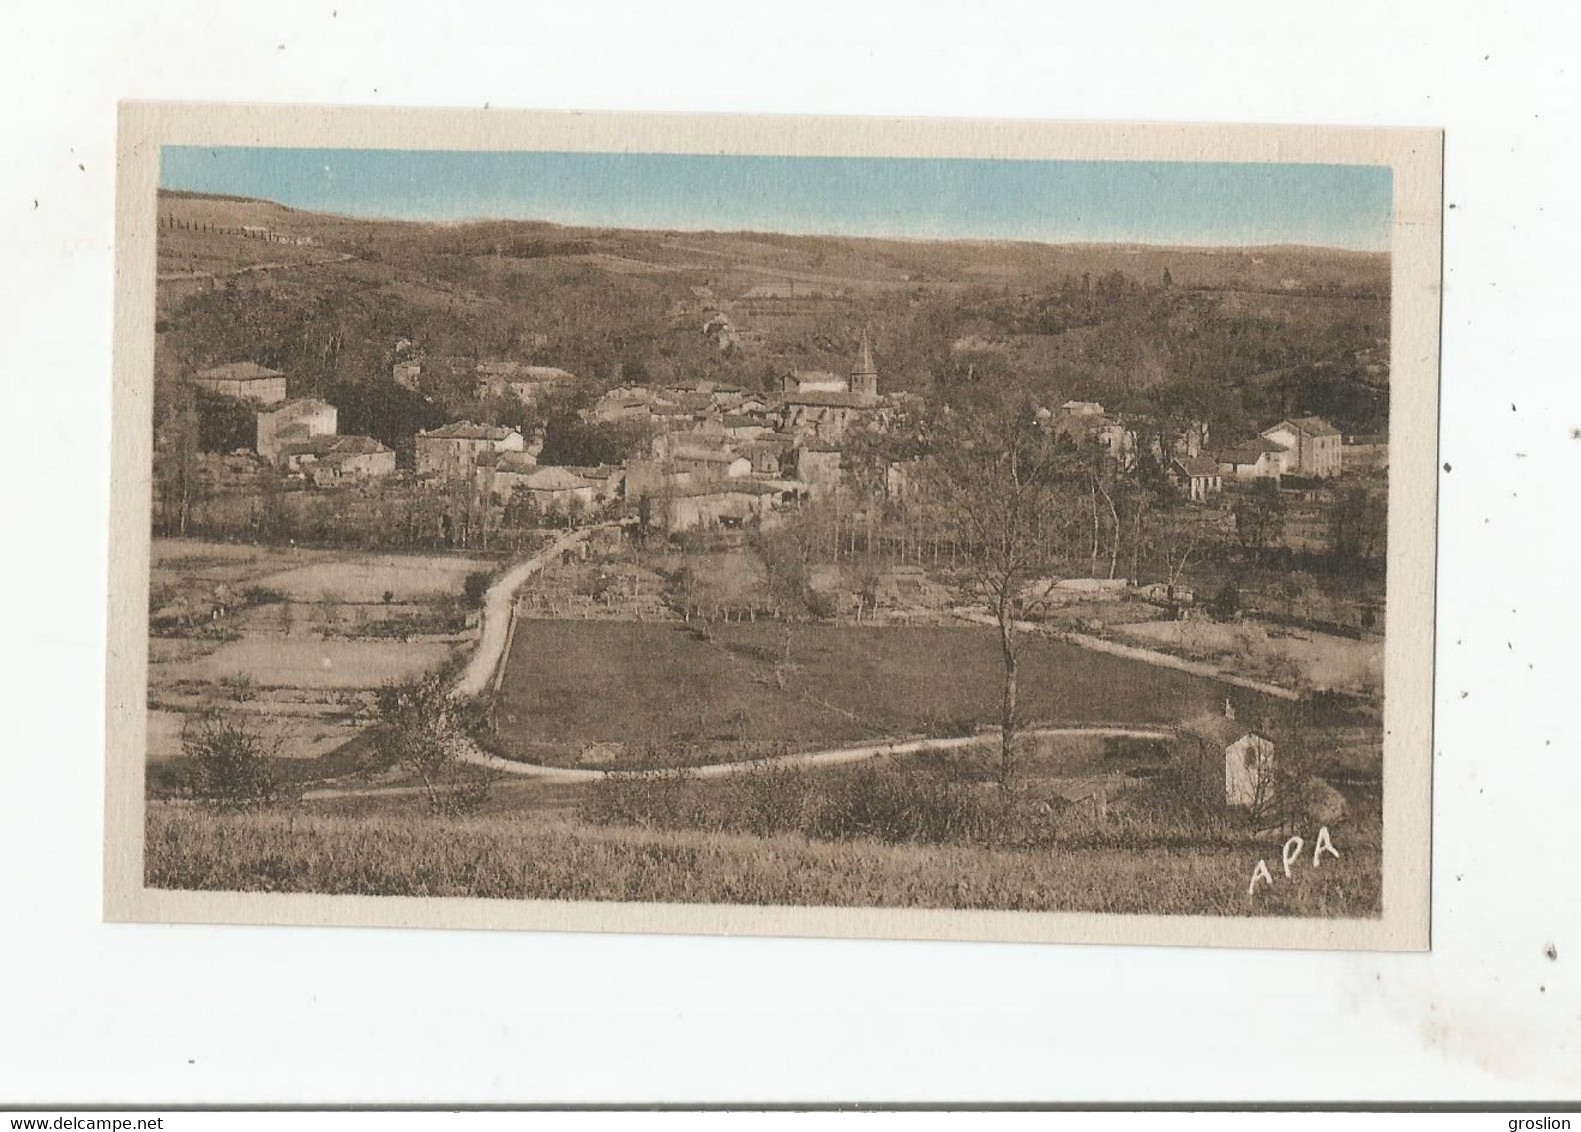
pixel 1197 476
pixel 1256 459
pixel 1315 446
pixel 327 459
pixel 453 450
pixel 246 381
pixel 526 383
pixel 724 503
pixel 296 420
pixel 710 463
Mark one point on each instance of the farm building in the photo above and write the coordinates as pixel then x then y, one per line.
pixel 559 490
pixel 246 381
pixel 710 463
pixel 1197 477
pixel 1314 445
pixel 528 384
pixel 293 421
pixel 330 459
pixel 453 451
pixel 1255 460
pixel 727 503
pixel 1232 764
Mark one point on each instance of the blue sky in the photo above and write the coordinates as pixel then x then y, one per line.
pixel 929 198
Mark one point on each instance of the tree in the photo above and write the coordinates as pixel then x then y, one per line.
pixel 1005 485
pixel 177 468
pixel 787 555
pixel 232 765
pixel 420 730
pixel 1260 518
pixel 1358 521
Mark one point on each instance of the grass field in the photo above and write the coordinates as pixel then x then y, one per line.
pixel 296 640
pixel 302 662
pixel 1320 660
pixel 513 858
pixel 368 577
pixel 570 685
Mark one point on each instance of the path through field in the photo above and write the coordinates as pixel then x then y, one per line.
pixel 497 615
pixel 834 756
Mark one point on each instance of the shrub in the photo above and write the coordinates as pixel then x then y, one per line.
pixel 240 686
pixel 475 587
pixel 231 766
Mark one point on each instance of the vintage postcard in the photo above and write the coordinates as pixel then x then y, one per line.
pixel 809 526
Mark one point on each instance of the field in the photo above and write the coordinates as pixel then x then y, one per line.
pixel 293 639
pixel 620 693
pixel 1318 660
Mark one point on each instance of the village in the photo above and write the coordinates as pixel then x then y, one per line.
pixel 665 541
pixel 720 455
pixel 671 527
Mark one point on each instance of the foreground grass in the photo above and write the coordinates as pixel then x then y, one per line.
pixel 564 859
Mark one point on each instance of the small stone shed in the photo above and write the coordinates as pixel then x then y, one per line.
pixel 1230 763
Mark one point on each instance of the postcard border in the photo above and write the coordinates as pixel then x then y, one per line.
pixel 1415 157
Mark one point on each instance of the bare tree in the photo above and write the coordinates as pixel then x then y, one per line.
pixel 1004 481
pixel 420 730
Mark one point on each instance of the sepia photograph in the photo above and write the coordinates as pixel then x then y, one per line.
pixel 797 526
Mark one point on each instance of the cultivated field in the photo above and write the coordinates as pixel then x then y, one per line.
pixel 642 693
pixel 1317 660
pixel 293 639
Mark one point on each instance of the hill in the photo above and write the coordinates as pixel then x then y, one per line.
pixel 325 297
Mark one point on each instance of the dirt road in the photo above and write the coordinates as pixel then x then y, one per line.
pixel 489 654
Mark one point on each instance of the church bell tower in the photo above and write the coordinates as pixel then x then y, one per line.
pixel 864 376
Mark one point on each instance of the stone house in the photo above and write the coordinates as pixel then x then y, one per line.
pixel 408 373
pixel 1197 477
pixel 1315 446
pixel 352 458
pixel 558 490
pixel 453 450
pixel 527 384
pixel 726 503
pixel 1254 460
pixel 327 459
pixel 1232 764
pixel 293 421
pixel 246 381
pixel 710 463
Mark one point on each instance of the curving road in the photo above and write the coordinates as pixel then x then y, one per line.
pixel 489 654
pixel 833 756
